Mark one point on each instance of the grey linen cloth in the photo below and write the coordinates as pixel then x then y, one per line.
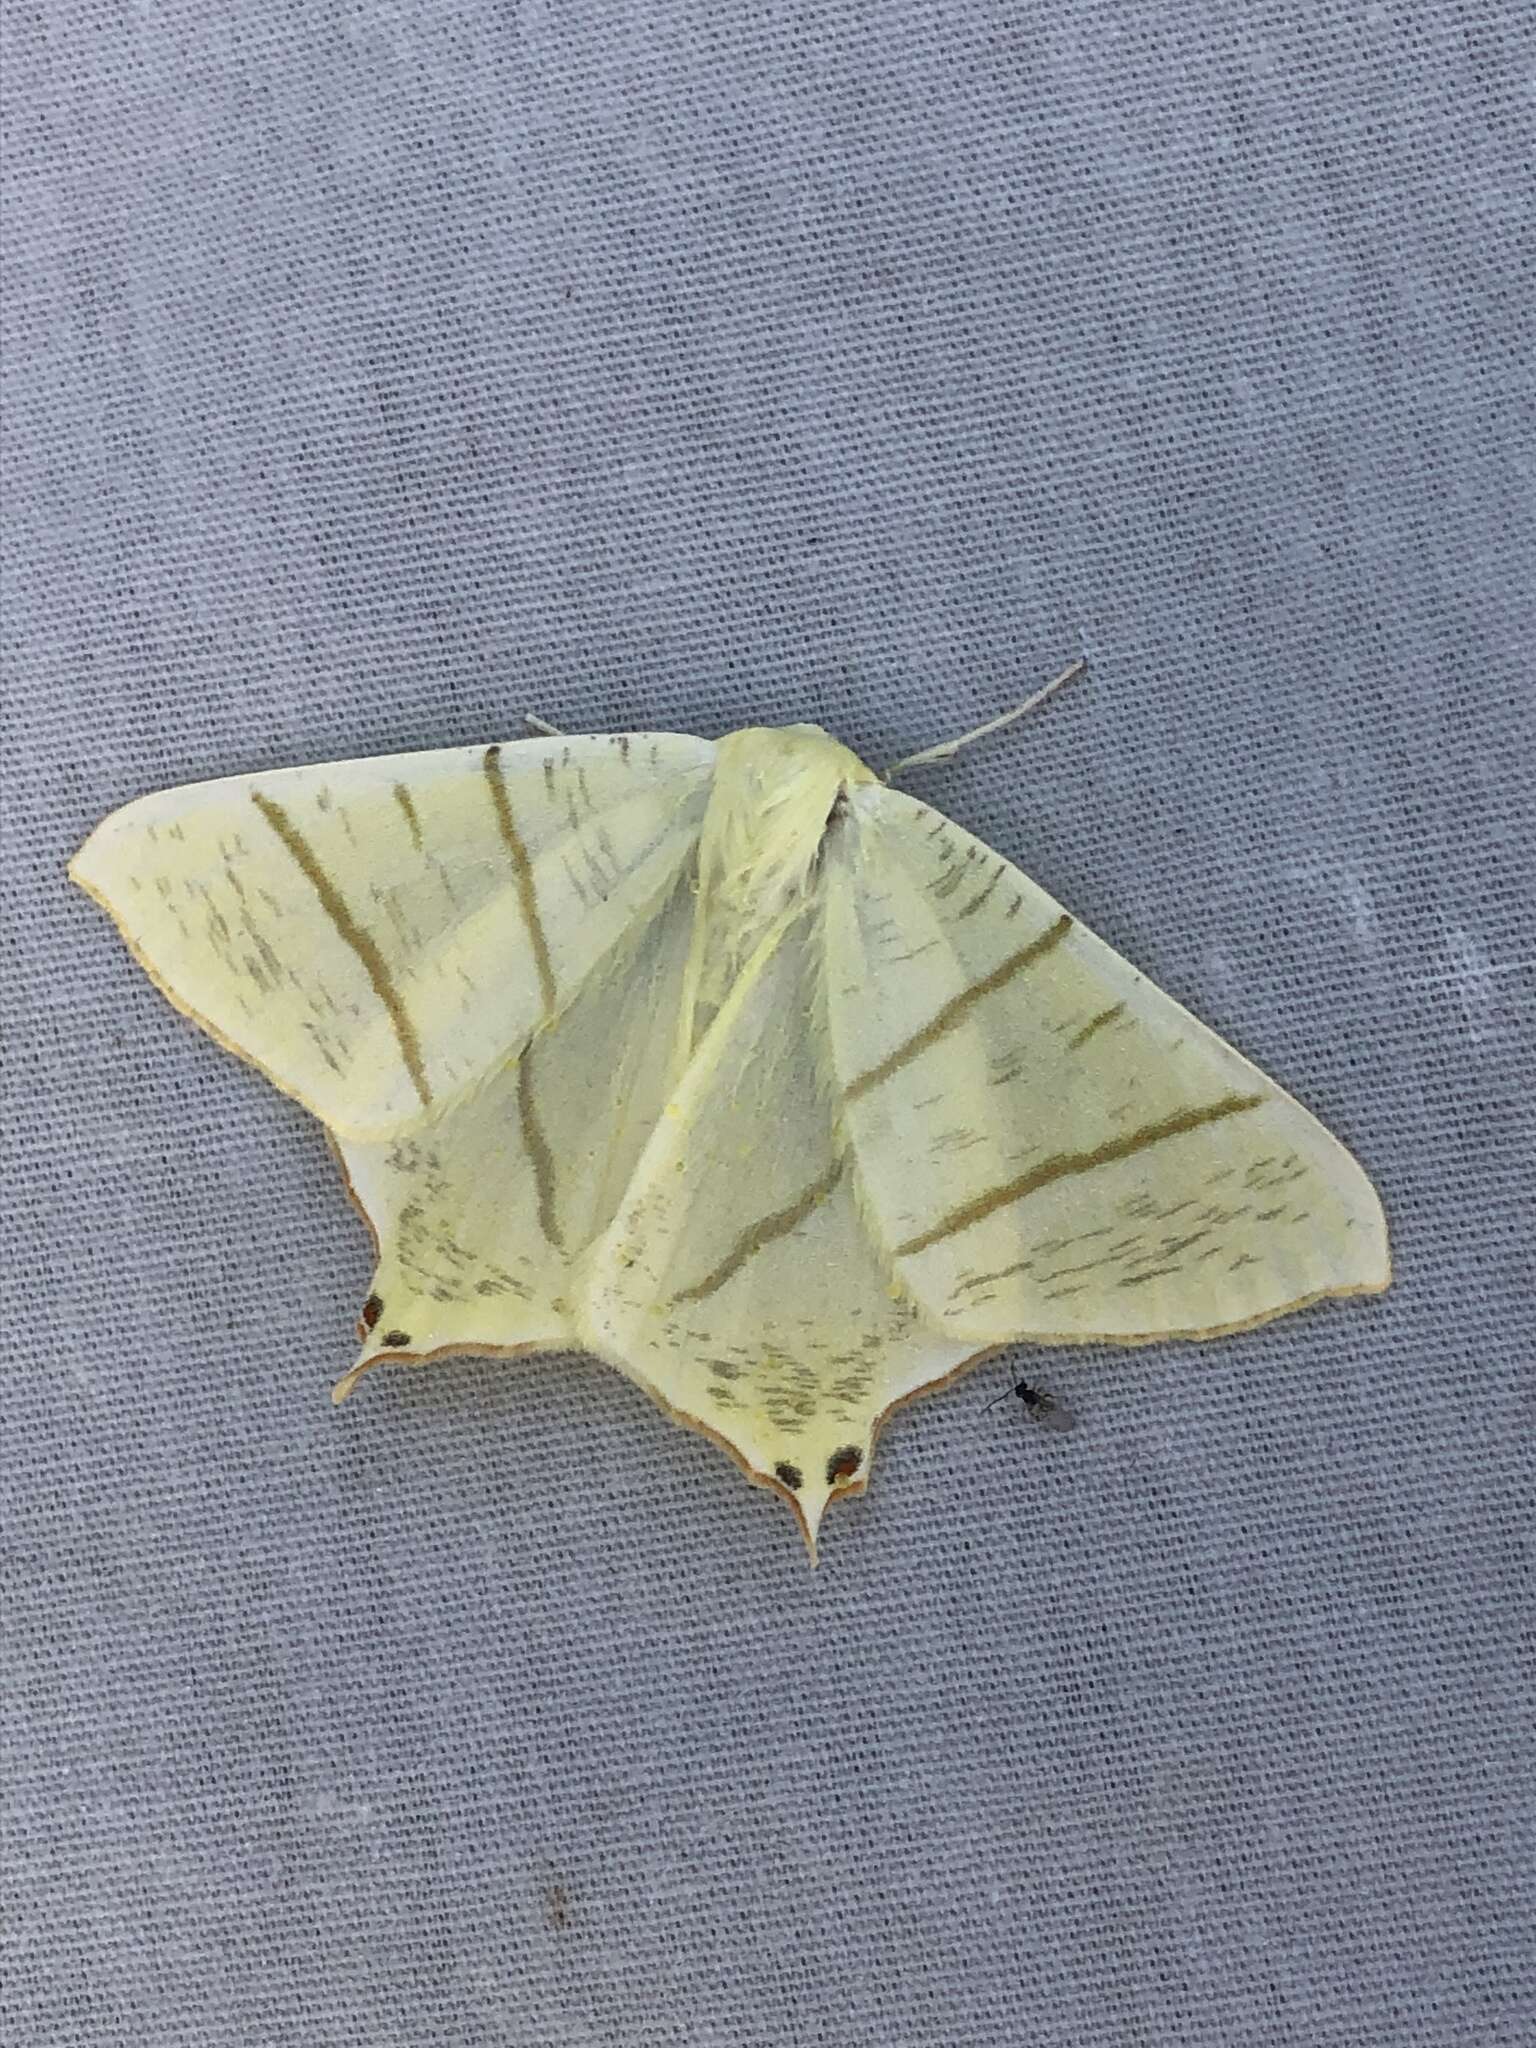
pixel 376 373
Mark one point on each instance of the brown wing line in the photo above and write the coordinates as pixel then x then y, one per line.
pixel 522 874
pixel 354 935
pixel 958 1008
pixel 1061 1164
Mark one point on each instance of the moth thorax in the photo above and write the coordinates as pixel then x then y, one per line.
pixel 775 789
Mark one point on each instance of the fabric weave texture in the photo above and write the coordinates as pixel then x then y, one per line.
pixel 374 373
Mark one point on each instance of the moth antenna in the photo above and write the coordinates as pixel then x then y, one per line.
pixel 945 748
pixel 543 726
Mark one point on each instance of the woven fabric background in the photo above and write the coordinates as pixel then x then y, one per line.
pixel 376 372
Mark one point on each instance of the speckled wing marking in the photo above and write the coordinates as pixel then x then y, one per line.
pixel 1046 1146
pixel 377 936
pixel 737 1281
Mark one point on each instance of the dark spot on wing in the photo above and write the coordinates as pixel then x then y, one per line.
pixel 789 1475
pixel 373 1308
pixel 397 1340
pixel 844 1463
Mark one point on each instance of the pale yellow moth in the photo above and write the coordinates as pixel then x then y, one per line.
pixel 732 1065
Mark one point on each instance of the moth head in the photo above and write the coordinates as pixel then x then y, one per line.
pixel 776 766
